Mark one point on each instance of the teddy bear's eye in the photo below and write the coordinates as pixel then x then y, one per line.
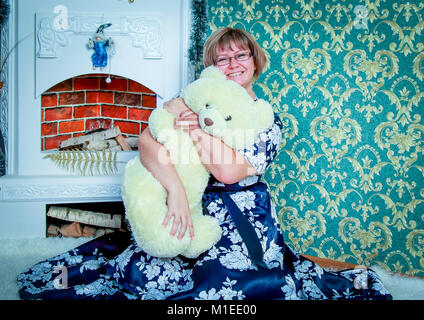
pixel 207 106
pixel 228 118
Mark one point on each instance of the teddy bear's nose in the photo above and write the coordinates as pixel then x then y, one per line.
pixel 208 121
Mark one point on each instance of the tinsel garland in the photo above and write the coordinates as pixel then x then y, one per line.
pixel 198 31
pixel 4 11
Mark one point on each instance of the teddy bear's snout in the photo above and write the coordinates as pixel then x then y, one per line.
pixel 208 122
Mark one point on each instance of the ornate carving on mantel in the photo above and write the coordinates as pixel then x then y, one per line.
pixel 145 33
pixel 52 192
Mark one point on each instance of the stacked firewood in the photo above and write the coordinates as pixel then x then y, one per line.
pixel 101 139
pixel 75 223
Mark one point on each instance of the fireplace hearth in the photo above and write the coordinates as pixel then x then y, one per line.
pixel 53 94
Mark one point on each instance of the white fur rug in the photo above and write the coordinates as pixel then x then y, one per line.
pixel 20 254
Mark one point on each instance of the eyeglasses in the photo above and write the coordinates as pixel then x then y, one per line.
pixel 223 61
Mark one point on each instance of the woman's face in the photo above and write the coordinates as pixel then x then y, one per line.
pixel 241 72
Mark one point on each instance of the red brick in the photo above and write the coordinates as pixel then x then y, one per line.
pixel 71 98
pixel 92 97
pixel 54 142
pixel 75 135
pixel 58 114
pixel 128 99
pixel 115 84
pixel 93 75
pixel 99 97
pixel 128 127
pixel 87 111
pixel 86 83
pixel 93 124
pixel 106 97
pixel 62 86
pixel 42 115
pixel 49 129
pixel 115 77
pixel 139 114
pixel 149 101
pixel 114 111
pixel 71 126
pixel 49 100
pixel 137 87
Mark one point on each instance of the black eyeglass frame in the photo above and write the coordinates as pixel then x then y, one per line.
pixel 227 60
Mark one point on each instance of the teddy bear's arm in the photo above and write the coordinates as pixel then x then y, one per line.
pixel 160 121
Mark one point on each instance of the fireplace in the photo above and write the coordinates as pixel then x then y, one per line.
pixel 54 93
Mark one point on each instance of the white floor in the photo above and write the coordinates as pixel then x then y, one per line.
pixel 18 255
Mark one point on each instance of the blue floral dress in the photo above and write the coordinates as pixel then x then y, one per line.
pixel 114 267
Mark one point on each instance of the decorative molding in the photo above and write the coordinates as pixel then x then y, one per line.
pixel 145 32
pixel 53 192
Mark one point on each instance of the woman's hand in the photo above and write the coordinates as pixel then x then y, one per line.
pixel 187 120
pixel 178 209
pixel 175 106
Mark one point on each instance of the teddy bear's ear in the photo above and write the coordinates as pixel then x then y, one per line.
pixel 212 72
pixel 265 113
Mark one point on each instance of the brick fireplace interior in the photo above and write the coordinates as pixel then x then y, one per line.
pixel 80 105
pixel 85 103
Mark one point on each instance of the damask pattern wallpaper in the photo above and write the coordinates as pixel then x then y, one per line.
pixel 347 79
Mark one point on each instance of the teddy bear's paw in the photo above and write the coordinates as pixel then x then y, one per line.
pixel 157 242
pixel 207 233
pixel 150 234
pixel 169 249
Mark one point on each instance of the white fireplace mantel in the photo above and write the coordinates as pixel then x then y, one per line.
pixel 139 44
pixel 151 43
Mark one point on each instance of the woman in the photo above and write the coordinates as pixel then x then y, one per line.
pixel 251 261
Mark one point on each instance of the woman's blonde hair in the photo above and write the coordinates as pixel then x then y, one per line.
pixel 221 39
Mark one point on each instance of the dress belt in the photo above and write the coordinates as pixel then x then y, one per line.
pixel 243 225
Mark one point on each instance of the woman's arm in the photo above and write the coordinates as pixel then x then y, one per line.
pixel 156 159
pixel 226 165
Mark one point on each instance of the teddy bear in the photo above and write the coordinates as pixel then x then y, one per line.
pixel 225 110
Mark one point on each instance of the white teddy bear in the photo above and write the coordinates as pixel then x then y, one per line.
pixel 225 110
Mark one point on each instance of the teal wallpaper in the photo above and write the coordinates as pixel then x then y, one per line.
pixel 347 79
